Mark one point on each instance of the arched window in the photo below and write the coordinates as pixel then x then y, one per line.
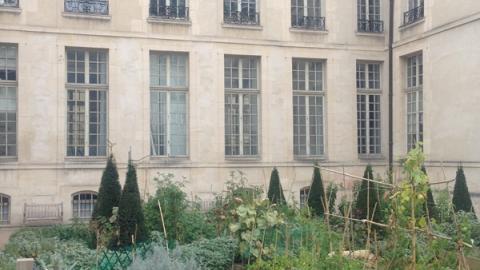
pixel 4 209
pixel 304 196
pixel 83 203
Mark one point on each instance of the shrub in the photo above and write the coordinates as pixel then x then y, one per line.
pixel 366 205
pixel 461 197
pixel 130 212
pixel 109 193
pixel 332 190
pixel 212 254
pixel 165 260
pixel 275 191
pixel 183 222
pixel 316 196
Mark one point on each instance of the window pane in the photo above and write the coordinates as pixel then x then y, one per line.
pixel 232 124
pixel 8 62
pixel 178 124
pixel 250 125
pixel 98 123
pixel 316 125
pixel 299 125
pixel 158 123
pixel 75 122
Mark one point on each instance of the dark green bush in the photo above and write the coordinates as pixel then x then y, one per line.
pixel 275 191
pixel 212 254
pixel 316 196
pixel 461 197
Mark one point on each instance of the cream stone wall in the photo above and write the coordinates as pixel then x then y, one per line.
pixel 43 174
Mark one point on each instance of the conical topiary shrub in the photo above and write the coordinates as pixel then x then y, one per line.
pixel 461 197
pixel 275 191
pixel 316 196
pixel 430 206
pixel 109 193
pixel 366 205
pixel 130 212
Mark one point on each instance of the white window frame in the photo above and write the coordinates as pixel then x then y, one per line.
pixel 168 90
pixel 239 4
pixel 369 16
pixel 303 199
pixel 307 94
pixel 9 209
pixel 414 100
pixel 76 212
pixel 87 87
pixel 241 92
pixel 8 85
pixel 368 91
pixel 317 9
pixel 412 4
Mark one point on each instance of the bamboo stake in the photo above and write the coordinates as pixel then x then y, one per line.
pixel 163 224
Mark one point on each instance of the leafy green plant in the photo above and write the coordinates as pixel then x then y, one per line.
pixel 212 254
pixel 252 220
pixel 332 190
pixel 164 259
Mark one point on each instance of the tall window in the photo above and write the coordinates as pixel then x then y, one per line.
pixel 415 11
pixel 414 92
pixel 168 102
pixel 87 85
pixel 4 209
pixel 8 100
pixel 304 196
pixel 242 99
pixel 240 12
pixel 368 12
pixel 307 14
pixel 8 3
pixel 95 7
pixel 308 95
pixel 83 204
pixel 169 9
pixel 368 109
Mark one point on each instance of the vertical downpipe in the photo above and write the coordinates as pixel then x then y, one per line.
pixel 390 88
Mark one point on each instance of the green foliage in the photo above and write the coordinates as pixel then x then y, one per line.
pixel 183 221
pixel 275 191
pixel 131 219
pixel 212 254
pixel 164 259
pixel 110 191
pixel 367 202
pixel 52 247
pixel 251 221
pixel 461 197
pixel 430 206
pixel 316 196
pixel 332 190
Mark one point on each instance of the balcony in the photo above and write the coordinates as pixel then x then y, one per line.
pixel 169 12
pixel 309 23
pixel 413 15
pixel 370 26
pixel 243 18
pixel 9 3
pixel 88 7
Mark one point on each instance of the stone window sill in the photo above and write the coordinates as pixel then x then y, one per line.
pixel 243 26
pixel 309 31
pixel 242 158
pixel 86 159
pixel 371 156
pixel 370 34
pixel 410 25
pixel 87 16
pixel 14 10
pixel 168 21
pixel 310 158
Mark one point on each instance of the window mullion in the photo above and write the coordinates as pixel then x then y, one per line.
pixel 167 123
pixel 86 62
pixel 87 124
pixel 307 76
pixel 240 123
pixel 307 123
pixel 367 124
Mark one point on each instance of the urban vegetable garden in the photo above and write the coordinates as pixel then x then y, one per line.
pixel 404 223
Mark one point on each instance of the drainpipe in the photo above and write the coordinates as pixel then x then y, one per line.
pixel 390 88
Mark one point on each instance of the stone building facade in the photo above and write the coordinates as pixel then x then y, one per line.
pixel 200 88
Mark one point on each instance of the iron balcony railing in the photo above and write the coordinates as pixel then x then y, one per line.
pixel 370 26
pixel 309 22
pixel 8 3
pixel 413 15
pixel 242 18
pixel 170 12
pixel 99 7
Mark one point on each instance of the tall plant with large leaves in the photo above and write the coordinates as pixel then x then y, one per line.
pixel 316 196
pixel 275 191
pixel 130 212
pixel 461 197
